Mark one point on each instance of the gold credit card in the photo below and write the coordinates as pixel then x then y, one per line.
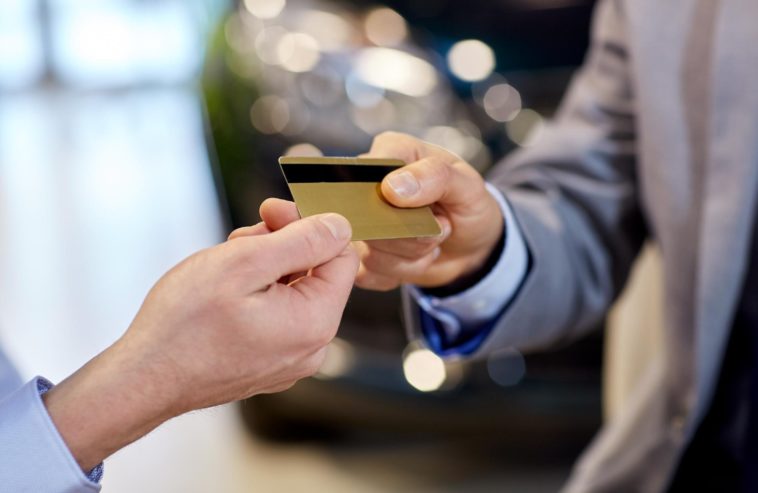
pixel 351 187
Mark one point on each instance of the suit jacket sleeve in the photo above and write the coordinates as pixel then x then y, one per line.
pixel 574 196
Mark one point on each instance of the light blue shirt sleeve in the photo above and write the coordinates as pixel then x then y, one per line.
pixel 33 456
pixel 478 305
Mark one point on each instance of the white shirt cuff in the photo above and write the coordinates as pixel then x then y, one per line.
pixel 483 301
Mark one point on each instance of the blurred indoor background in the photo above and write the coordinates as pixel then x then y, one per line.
pixel 134 132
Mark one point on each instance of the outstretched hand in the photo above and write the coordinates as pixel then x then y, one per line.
pixel 251 315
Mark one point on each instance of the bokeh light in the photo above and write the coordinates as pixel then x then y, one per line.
pixel 340 355
pixel 502 102
pixel 270 114
pixel 463 139
pixel 299 118
pixel 237 35
pixel 267 44
pixel 385 27
pixel 322 88
pixel 303 149
pixel 525 128
pixel 397 71
pixel 471 60
pixel 450 138
pixel 377 118
pixel 507 368
pixel 424 370
pixel 331 31
pixel 265 9
pixel 298 52
pixel 361 93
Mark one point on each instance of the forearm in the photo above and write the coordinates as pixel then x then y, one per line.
pixel 108 403
pixel 218 327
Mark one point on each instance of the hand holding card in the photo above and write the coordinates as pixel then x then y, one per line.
pixel 469 214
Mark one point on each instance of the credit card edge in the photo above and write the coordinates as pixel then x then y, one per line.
pixel 360 161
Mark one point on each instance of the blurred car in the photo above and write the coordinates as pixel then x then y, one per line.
pixel 321 77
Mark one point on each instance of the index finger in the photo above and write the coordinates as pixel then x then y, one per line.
pixel 297 247
pixel 396 145
pixel 406 148
pixel 277 213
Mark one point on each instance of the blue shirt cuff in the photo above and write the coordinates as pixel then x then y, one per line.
pixel 459 324
pixel 465 344
pixel 96 474
pixel 34 456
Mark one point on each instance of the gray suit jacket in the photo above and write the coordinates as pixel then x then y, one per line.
pixel 657 138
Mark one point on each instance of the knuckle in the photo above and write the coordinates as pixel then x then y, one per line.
pixel 362 280
pixel 352 255
pixel 325 332
pixel 327 336
pixel 315 363
pixel 408 249
pixel 396 142
pixel 438 169
pixel 282 387
pixel 246 252
pixel 314 239
pixel 389 135
pixel 304 370
pixel 250 247
pixel 423 246
pixel 376 283
pixel 474 183
pixel 311 242
pixel 259 255
pixel 383 288
pixel 307 368
pixel 466 169
pixel 320 324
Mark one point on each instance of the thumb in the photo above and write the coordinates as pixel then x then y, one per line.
pixel 299 246
pixel 331 282
pixel 430 180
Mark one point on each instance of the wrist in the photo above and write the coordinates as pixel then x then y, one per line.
pixel 468 257
pixel 108 403
pixel 478 269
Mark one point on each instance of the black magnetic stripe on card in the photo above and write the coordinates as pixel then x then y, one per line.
pixel 335 173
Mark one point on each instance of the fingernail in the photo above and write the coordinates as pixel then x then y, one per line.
pixel 404 184
pixel 436 253
pixel 338 226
